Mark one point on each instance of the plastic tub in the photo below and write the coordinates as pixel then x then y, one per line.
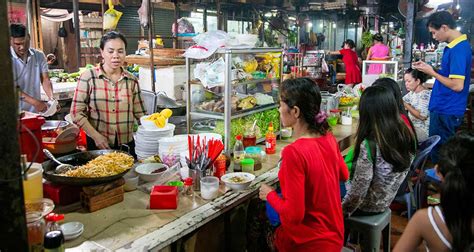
pixel 209 187
pixel 33 185
pixel 247 165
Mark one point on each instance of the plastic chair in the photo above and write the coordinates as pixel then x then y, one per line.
pixel 372 227
pixel 424 149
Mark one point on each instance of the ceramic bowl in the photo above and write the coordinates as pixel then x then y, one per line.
pixel 238 180
pixel 149 172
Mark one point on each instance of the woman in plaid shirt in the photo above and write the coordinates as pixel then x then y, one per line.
pixel 107 99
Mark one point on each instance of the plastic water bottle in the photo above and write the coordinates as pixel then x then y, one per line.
pixel 239 153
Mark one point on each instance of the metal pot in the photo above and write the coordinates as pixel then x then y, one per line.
pixel 328 101
pixel 54 124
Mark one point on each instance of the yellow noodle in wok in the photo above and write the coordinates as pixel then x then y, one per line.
pixel 103 166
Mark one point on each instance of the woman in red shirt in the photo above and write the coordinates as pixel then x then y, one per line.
pixel 310 172
pixel 351 61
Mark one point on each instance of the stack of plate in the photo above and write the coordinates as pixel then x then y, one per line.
pixel 146 140
pixel 72 230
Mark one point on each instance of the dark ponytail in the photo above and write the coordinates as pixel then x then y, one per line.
pixel 457 200
pixel 304 93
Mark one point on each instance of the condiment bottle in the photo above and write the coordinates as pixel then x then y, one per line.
pixel 270 140
pixel 188 187
pixel 239 153
pixel 220 166
pixel 53 238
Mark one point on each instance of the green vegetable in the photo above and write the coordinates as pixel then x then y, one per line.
pixel 237 126
pixel 367 39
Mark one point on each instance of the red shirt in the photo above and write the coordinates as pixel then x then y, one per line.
pixel 353 74
pixel 405 120
pixel 310 208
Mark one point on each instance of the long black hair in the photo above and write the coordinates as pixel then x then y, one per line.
pixel 393 86
pixel 380 122
pixel 304 93
pixel 456 164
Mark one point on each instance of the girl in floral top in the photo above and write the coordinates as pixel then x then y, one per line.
pixel 416 102
pixel 381 136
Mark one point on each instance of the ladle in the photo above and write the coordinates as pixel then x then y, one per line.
pixel 61 168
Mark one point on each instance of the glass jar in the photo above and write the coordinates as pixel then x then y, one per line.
pixel 250 137
pixel 257 154
pixel 36 227
pixel 188 187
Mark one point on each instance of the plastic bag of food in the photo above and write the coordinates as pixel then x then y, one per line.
pixel 111 17
pixel 199 52
pixel 212 39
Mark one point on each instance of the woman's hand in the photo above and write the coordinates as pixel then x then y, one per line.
pixel 101 142
pixel 264 191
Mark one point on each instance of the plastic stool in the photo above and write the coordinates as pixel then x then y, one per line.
pixel 371 227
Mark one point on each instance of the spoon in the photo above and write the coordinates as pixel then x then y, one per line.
pixel 61 168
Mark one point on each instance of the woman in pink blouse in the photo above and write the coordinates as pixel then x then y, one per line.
pixel 379 51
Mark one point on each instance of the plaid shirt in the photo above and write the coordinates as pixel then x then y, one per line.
pixel 101 106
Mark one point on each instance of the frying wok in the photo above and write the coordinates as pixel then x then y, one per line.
pixel 77 159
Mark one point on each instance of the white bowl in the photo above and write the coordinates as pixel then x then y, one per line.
pixel 246 177
pixel 145 171
pixel 150 125
pixel 72 228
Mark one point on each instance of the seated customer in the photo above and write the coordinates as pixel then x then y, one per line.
pixel 384 149
pixel 393 86
pixel 310 171
pixel 417 101
pixel 451 226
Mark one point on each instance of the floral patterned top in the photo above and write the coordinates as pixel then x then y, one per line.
pixel 372 190
pixel 420 102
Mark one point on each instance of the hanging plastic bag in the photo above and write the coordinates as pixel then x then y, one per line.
pixel 324 66
pixel 111 17
pixel 143 14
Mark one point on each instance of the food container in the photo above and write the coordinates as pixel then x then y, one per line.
pixel 33 185
pixel 333 117
pixel 250 136
pixel 238 180
pixel 164 197
pixel 247 165
pixel 178 184
pixel 151 172
pixel 346 120
pixel 52 125
pixel 286 133
pixel 257 154
pixel 35 228
pixel 209 187
pixel 328 101
pixel 131 181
